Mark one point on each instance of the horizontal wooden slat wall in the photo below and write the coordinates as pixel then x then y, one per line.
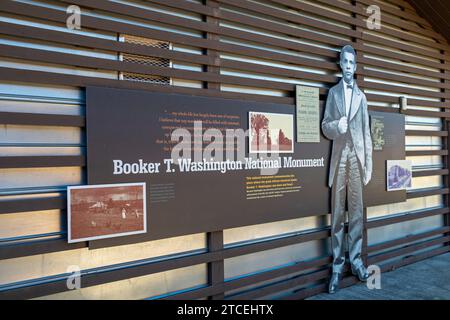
pixel 238 49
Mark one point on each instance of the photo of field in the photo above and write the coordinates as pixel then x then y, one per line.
pixel 97 212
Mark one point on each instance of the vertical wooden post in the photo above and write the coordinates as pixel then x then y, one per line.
pixel 359 76
pixel 213 37
pixel 216 270
pixel 446 145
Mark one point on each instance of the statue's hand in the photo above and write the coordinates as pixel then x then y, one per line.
pixel 367 177
pixel 343 125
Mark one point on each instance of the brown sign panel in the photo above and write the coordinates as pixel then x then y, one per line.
pixel 388 136
pixel 129 140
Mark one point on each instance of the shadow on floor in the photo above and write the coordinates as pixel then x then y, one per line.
pixel 424 280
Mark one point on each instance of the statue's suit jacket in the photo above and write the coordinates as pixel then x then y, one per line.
pixel 358 125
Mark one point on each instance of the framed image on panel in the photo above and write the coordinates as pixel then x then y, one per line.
pixel 398 175
pixel 271 132
pixel 106 211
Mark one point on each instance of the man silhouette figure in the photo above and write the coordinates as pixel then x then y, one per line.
pixel 346 122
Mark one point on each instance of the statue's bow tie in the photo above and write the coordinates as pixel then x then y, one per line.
pixel 349 86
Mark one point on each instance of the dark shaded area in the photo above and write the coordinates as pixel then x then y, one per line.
pixel 425 280
pixel 437 12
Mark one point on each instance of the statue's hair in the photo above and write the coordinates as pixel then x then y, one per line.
pixel 347 48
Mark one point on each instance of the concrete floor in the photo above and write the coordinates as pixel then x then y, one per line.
pixel 424 280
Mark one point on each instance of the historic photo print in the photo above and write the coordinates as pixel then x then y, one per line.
pixel 399 175
pixel 271 132
pixel 106 211
pixel 377 127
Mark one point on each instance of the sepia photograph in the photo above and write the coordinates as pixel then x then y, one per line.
pixel 377 130
pixel 399 175
pixel 271 132
pixel 106 211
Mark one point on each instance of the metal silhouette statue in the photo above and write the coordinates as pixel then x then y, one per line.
pixel 346 122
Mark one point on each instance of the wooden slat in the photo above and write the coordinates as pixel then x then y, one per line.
pixel 34 119
pixel 198 25
pixel 282 285
pixel 379 51
pixel 387 19
pixel 41 161
pixel 419 153
pixel 281 14
pixel 407 80
pixel 45 56
pixel 31 248
pixel 141 13
pixel 54 78
pixel 104 44
pixel 98 43
pixel 59 203
pixel 114 26
pixel 394 31
pixel 252 279
pixel 390 266
pixel 201 258
pixel 201 26
pixel 396 89
pixel 187 5
pixel 426 133
pixel 397 12
pixel 114 65
pixel 381 222
pixel 91 279
pixel 407 249
pixel 410 26
pixel 426 193
pixel 408 239
pixel 302 7
pixel 403 46
pixel 224 254
pixel 424 113
pixel 403 89
pixel 406 67
pixel 32 204
pixel 243 19
pixel 429 173
pixel 47 16
pixel 412 102
pixel 80 81
pixel 316 289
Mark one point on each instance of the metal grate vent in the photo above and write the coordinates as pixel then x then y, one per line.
pixel 144 78
pixel 146 42
pixel 145 60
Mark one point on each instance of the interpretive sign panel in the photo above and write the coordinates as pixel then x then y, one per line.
pixel 388 137
pixel 193 154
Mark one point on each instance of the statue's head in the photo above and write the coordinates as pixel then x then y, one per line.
pixel 348 63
